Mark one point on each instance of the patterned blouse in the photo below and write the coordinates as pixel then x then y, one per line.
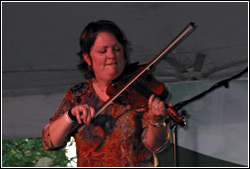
pixel 115 138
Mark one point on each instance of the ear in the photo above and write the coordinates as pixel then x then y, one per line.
pixel 87 58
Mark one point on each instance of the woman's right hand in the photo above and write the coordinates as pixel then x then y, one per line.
pixel 83 113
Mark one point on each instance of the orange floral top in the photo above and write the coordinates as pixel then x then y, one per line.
pixel 116 138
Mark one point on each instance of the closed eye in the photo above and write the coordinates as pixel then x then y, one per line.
pixel 102 51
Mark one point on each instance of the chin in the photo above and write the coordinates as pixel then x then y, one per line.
pixel 114 75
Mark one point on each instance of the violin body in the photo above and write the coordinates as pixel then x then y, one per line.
pixel 138 93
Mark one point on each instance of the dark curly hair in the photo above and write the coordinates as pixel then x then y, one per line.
pixel 88 37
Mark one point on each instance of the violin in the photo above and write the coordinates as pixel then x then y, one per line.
pixel 135 85
pixel 138 93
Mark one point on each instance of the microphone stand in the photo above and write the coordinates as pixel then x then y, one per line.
pixel 175 145
pixel 224 83
pixel 179 105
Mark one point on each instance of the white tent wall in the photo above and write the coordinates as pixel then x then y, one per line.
pixel 40 41
pixel 217 127
pixel 218 122
pixel 24 116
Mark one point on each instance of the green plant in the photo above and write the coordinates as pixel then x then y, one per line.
pixel 27 153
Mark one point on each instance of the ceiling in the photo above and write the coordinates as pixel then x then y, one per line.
pixel 40 40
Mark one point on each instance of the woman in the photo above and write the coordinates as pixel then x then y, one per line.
pixel 121 136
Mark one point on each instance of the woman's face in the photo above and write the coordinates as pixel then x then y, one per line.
pixel 106 57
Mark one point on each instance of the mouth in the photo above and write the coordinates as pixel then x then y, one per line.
pixel 110 64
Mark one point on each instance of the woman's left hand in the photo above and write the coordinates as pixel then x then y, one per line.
pixel 157 110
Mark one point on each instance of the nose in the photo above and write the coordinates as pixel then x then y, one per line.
pixel 111 54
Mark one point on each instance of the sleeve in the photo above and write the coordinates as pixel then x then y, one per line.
pixel 45 135
pixel 145 122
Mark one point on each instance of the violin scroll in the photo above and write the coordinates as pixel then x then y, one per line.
pixel 181 120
